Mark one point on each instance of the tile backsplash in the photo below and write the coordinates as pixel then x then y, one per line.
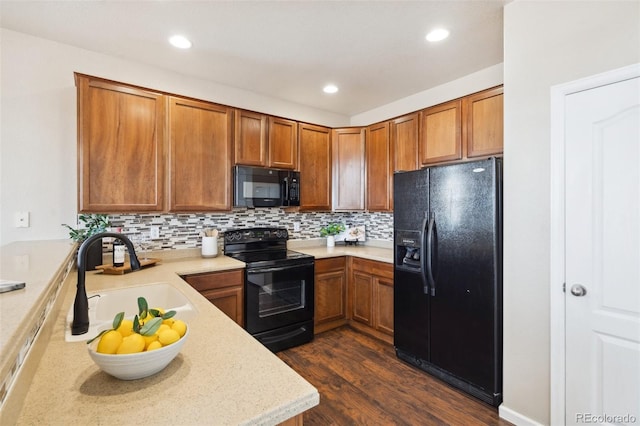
pixel 182 231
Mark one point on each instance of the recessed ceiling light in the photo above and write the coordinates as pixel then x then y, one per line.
pixel 330 88
pixel 438 34
pixel 180 42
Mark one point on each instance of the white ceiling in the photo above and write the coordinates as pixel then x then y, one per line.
pixel 374 51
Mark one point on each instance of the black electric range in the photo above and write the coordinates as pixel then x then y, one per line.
pixel 279 286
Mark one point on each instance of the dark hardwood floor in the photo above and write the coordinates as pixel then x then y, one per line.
pixel 362 382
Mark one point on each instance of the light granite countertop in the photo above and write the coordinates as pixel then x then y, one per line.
pixel 380 251
pixel 222 376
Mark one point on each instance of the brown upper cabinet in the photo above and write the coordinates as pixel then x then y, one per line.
pixel 141 150
pixel 121 147
pixel 484 114
pixel 283 143
pixel 315 167
pixel 404 140
pixel 250 138
pixel 441 133
pixel 379 168
pixel 348 148
pixel 200 156
pixel 265 141
pixel 462 129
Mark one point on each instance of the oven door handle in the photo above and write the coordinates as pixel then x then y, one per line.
pixel 289 335
pixel 278 269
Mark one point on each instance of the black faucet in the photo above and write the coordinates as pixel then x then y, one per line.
pixel 80 324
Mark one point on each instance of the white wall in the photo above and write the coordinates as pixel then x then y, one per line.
pixel 38 124
pixel 546 43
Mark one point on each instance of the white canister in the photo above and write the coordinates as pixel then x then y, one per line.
pixel 209 246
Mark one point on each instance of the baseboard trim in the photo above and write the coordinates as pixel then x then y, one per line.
pixel 516 418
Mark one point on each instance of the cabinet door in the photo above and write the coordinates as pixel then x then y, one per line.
pixel 383 297
pixel 379 168
pixel 362 292
pixel 315 167
pixel 404 140
pixel 250 138
pixel 348 151
pixel 200 156
pixel 330 294
pixel 223 289
pixel 441 136
pixel 121 147
pixel 283 143
pixel 229 300
pixel 484 123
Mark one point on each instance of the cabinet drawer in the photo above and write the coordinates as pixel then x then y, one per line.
pixel 330 264
pixel 215 280
pixel 373 267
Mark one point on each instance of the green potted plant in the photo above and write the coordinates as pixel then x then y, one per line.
pixel 92 224
pixel 330 231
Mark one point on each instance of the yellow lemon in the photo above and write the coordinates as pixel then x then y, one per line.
pixel 179 326
pixel 109 342
pixel 162 328
pixel 131 344
pixel 126 328
pixel 148 340
pixel 168 337
pixel 169 321
pixel 154 345
pixel 146 318
pixel 162 312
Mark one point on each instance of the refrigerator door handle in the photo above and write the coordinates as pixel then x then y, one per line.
pixel 423 255
pixel 429 244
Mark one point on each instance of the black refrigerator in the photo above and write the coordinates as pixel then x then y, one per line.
pixel 448 274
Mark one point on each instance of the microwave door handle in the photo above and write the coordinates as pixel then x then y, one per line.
pixel 286 188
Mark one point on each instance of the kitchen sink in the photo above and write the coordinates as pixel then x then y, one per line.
pixel 104 305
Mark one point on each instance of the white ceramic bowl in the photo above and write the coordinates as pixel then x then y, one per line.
pixel 138 365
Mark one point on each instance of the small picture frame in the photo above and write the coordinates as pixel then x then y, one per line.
pixel 352 233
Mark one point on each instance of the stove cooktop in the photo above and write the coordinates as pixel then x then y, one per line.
pixel 262 247
pixel 266 256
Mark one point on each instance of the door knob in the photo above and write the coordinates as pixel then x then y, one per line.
pixel 578 290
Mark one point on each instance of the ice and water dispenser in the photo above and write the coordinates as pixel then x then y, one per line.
pixel 407 250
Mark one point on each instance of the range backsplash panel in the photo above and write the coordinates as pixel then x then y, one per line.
pixel 182 231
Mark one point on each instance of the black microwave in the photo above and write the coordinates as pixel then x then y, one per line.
pixel 262 187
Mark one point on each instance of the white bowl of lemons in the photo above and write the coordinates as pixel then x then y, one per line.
pixel 134 349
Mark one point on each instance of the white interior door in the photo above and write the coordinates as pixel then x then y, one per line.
pixel 602 225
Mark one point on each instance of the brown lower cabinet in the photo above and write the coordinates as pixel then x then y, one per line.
pixel 224 289
pixel 370 296
pixel 354 291
pixel 330 294
pixel 348 290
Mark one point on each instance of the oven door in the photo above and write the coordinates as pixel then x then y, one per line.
pixel 278 296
